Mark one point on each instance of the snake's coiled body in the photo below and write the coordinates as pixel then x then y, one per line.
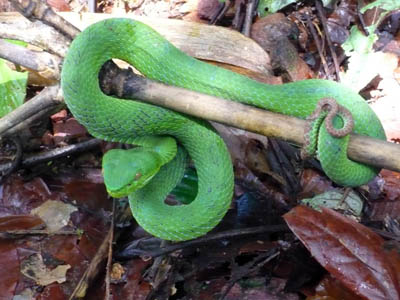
pixel 120 120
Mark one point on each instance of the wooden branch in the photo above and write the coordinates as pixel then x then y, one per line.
pixel 38 9
pixel 49 100
pixel 49 155
pixel 14 26
pixel 47 65
pixel 364 149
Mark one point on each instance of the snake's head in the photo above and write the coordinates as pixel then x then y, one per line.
pixel 126 171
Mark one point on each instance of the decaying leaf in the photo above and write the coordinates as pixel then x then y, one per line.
pixel 334 199
pixel 34 268
pixel 56 214
pixel 349 251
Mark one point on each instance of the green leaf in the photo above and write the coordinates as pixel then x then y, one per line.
pixel 358 42
pixel 266 7
pixel 334 199
pixel 364 63
pixel 388 5
pixel 16 42
pixel 12 88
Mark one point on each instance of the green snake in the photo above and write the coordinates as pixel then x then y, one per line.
pixel 148 173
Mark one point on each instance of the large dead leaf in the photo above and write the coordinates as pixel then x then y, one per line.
pixel 198 40
pixel 9 271
pixel 349 251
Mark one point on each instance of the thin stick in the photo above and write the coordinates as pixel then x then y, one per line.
pixel 53 154
pixel 16 161
pixel 248 20
pixel 328 39
pixel 49 97
pixel 38 9
pixel 318 44
pixel 15 27
pixel 109 256
pixel 206 239
pixel 45 64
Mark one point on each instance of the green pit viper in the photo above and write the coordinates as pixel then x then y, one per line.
pixel 148 173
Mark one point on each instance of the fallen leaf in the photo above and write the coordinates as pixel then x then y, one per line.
pixel 55 214
pixel 352 204
pixel 348 250
pixel 331 288
pixel 388 203
pixel 9 271
pixel 20 222
pixel 34 268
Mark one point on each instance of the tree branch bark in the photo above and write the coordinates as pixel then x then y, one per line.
pixel 363 149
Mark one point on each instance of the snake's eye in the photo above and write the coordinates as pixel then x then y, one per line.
pixel 138 175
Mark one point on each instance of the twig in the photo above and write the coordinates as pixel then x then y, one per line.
pixel 362 21
pixel 92 270
pixel 238 18
pixel 345 195
pixel 109 256
pixel 285 168
pixel 14 26
pixel 23 232
pixel 340 59
pixel 16 161
pixel 249 268
pixel 385 234
pixel 161 275
pixel 48 98
pixel 318 44
pixel 47 65
pixel 150 274
pixel 248 20
pixel 229 234
pixel 50 155
pixel 222 9
pixel 38 9
pixel 41 115
pixel 328 39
